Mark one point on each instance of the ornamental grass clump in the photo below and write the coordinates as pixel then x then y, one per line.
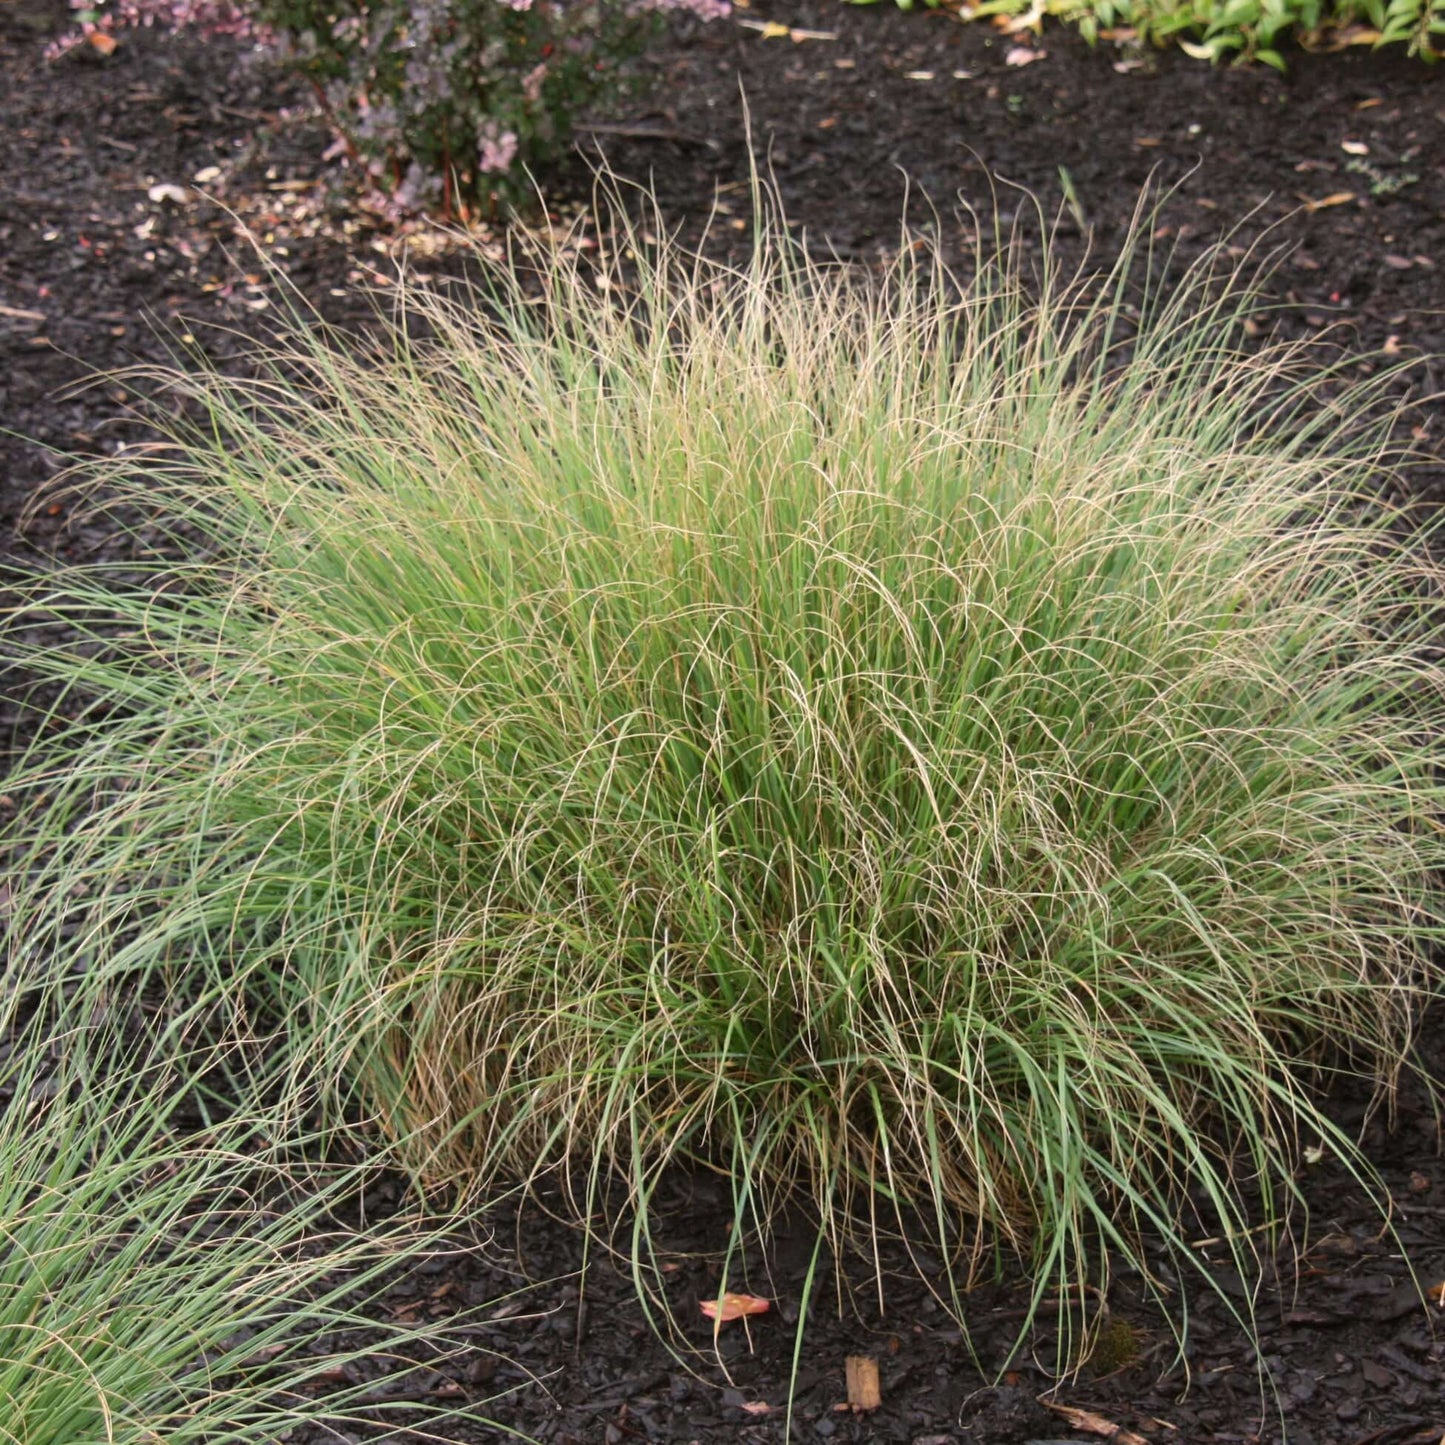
pixel 174 1263
pixel 962 756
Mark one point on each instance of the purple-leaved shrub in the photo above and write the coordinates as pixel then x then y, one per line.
pixel 449 104
pixel 446 105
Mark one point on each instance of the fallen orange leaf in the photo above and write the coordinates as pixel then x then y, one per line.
pixel 734 1307
pixel 1335 198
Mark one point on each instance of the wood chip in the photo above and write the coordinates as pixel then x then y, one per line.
pixel 863 1388
pixel 1092 1424
pixel 1377 1375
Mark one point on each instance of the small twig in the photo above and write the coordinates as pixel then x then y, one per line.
pixel 645 132
pixel 334 121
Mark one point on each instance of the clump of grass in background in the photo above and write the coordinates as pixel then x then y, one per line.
pixel 166 1278
pixel 957 758
pixel 1233 29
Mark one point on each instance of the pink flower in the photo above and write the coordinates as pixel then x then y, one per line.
pixel 532 82
pixel 497 151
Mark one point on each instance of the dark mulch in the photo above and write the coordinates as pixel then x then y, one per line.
pixel 1344 157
